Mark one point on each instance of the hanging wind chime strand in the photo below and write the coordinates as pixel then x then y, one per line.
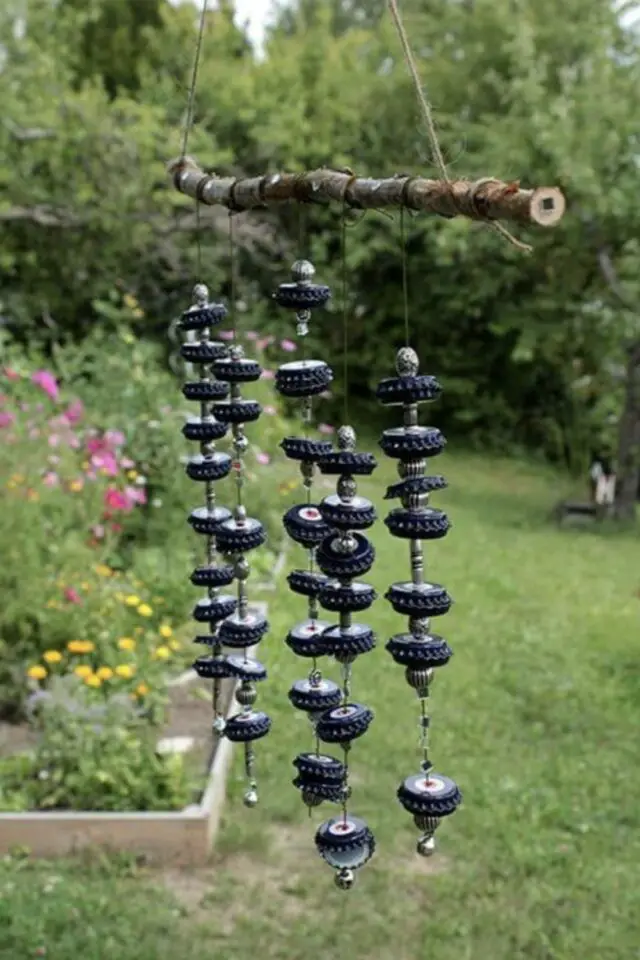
pixel 428 795
pixel 232 535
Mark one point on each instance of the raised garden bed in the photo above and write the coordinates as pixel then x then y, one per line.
pixel 173 837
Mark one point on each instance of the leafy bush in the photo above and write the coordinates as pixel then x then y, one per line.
pixel 91 756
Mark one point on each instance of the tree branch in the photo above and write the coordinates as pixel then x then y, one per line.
pixel 485 199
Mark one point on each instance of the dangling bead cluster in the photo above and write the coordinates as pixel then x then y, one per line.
pixel 346 842
pixel 319 776
pixel 428 795
pixel 228 534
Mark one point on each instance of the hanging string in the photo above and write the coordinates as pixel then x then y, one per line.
pixel 427 114
pixel 232 271
pixel 194 80
pixel 345 315
pixel 405 284
pixel 198 242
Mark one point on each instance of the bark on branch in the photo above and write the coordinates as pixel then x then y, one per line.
pixel 485 199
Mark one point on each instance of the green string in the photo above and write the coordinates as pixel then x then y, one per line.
pixel 345 317
pixel 405 284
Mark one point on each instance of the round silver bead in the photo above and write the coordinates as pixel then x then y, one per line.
pixel 426 846
pixel 407 362
pixel 241 568
pixel 236 351
pixel 240 443
pixel 219 724
pixel 346 438
pixel 303 271
pixel 345 878
pixel 240 513
pixel 345 544
pixel 200 294
pixel 346 488
pixel 246 694
pixel 250 798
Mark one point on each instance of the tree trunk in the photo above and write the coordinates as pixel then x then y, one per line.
pixel 628 477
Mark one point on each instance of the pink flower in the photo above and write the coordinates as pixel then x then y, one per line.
pixel 265 342
pixel 106 462
pixel 47 382
pixel 267 375
pixel 251 335
pixel 263 458
pixel 98 531
pixel 136 495
pixel 288 346
pixel 116 500
pixel 7 419
pixel 11 374
pixel 325 428
pixel 269 410
pixel 72 595
pixel 115 438
pixel 226 335
pixel 54 440
pixel 74 412
pixel 94 445
pixel 50 479
pixel 127 464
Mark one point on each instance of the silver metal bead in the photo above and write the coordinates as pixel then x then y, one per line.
pixel 219 724
pixel 303 271
pixel 250 798
pixel 240 443
pixel 236 351
pixel 345 878
pixel 419 626
pixel 200 294
pixel 345 544
pixel 426 846
pixel 418 679
pixel 408 469
pixel 407 362
pixel 428 825
pixel 241 568
pixel 240 513
pixel 307 469
pixel 346 488
pixel 311 799
pixel 246 694
pixel 346 438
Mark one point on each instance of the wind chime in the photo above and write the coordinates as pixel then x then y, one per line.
pixel 331 531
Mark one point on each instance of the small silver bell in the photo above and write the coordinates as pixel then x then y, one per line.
pixel 345 878
pixel 250 798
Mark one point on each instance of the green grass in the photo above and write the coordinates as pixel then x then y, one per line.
pixel 535 717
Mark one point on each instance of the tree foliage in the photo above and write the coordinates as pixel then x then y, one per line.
pixel 529 348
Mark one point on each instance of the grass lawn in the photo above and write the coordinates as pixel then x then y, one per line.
pixel 535 717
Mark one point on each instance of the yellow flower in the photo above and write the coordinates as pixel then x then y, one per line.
pixel 52 656
pixel 132 474
pixel 174 644
pixel 132 600
pixel 102 570
pixel 165 631
pixel 126 643
pixel 125 670
pixel 145 610
pixel 162 653
pixel 85 586
pixel 81 646
pixel 93 680
pixel 76 486
pixel 83 670
pixel 142 689
pixel 37 672
pixel 105 673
